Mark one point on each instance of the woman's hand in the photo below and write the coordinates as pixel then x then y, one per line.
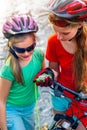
pixel 44 78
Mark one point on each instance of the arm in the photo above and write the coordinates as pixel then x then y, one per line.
pixel 43 64
pixel 4 91
pixel 46 76
pixel 54 67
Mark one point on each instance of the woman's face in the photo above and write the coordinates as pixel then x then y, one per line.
pixel 24 44
pixel 66 33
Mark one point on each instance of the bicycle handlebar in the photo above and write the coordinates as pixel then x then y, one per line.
pixel 59 88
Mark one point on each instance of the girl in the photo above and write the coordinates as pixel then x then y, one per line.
pixel 24 61
pixel 67 49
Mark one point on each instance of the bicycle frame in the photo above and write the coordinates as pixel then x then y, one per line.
pixel 73 110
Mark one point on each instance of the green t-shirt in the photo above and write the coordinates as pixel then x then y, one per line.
pixel 23 95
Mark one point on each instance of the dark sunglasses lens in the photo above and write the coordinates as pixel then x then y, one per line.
pixel 30 48
pixel 60 23
pixel 19 50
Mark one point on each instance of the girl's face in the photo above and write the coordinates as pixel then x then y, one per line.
pixel 24 51
pixel 67 33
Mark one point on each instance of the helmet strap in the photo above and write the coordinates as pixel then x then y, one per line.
pixel 13 52
pixel 71 39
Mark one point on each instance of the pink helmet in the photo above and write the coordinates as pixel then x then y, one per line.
pixel 69 9
pixel 19 24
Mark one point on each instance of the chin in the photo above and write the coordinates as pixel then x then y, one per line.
pixel 25 59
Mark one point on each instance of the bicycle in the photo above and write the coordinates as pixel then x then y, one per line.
pixel 64 122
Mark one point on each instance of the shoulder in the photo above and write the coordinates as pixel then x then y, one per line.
pixel 53 42
pixel 52 37
pixel 38 53
pixel 6 65
pixel 6 71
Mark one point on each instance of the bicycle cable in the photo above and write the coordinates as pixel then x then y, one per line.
pixel 37 108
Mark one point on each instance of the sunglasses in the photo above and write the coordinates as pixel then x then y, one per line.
pixel 59 23
pixel 22 50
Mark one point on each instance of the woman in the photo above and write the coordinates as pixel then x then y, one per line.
pixel 67 49
pixel 18 94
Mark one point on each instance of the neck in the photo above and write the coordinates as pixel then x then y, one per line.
pixel 69 46
pixel 25 62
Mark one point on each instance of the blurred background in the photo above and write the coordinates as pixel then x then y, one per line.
pixel 38 9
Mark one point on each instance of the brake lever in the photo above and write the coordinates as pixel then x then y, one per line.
pixel 81 96
pixel 58 91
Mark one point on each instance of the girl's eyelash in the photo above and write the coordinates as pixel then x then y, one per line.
pixel 65 33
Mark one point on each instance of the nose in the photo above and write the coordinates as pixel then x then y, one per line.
pixel 26 53
pixel 60 36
